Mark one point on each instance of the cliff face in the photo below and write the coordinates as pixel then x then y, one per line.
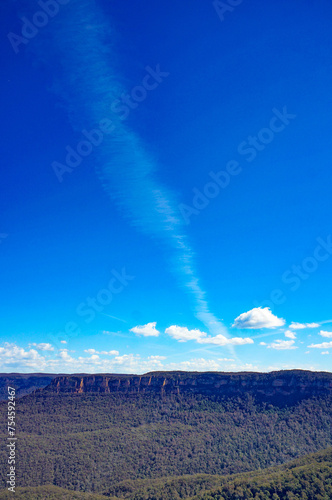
pixel 294 384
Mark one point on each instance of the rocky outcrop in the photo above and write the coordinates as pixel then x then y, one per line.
pixel 285 385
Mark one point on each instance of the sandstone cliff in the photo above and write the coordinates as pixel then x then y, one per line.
pixel 293 384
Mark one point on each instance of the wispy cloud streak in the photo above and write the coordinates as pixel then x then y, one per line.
pixel 82 45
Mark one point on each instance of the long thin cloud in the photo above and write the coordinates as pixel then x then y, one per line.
pixel 82 44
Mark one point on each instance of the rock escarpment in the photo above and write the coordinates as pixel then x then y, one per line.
pixel 285 385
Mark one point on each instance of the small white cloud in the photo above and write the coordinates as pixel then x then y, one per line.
pixel 325 352
pixel 63 341
pixel 282 345
pixel 222 340
pixel 42 346
pixel 297 326
pixel 226 359
pixel 262 343
pixel 323 345
pixel 301 326
pixel 128 359
pixel 65 357
pixel 257 318
pixel 325 334
pixel 290 335
pixel 148 330
pixel 109 353
pixel 183 334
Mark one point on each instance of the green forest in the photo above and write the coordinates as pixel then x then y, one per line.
pixel 309 478
pixel 119 445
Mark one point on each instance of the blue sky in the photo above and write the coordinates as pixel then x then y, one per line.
pixel 165 194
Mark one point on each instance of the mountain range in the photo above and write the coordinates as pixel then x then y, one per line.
pixel 170 435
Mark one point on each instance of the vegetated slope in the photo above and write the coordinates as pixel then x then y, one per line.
pixel 308 478
pixel 49 493
pixel 88 441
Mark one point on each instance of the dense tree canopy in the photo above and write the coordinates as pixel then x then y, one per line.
pixel 118 444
